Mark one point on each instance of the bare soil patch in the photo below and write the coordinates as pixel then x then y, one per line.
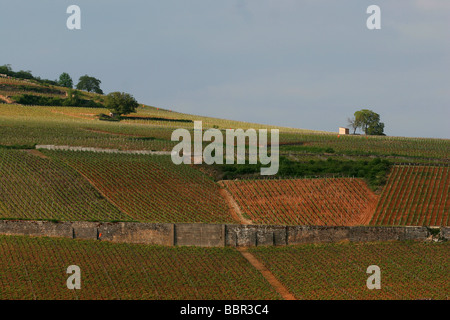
pixel 114 133
pixel 6 99
pixel 37 153
pixel 75 115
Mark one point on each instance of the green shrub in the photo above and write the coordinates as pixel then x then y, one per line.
pixel 29 99
pixel 374 171
pixel 105 117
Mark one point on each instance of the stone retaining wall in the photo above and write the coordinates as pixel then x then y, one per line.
pixel 215 235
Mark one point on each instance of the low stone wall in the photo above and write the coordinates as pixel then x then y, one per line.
pixel 317 234
pixel 445 233
pixel 36 228
pixel 198 234
pixel 134 232
pixel 255 235
pixel 215 235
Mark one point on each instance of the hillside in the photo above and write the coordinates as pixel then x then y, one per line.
pixel 110 187
pixel 150 188
pixel 151 127
pixel 223 230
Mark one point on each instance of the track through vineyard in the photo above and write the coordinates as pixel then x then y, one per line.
pixel 150 188
pixel 35 268
pixel 409 270
pixel 234 209
pixel 35 187
pixel 277 285
pixel 333 201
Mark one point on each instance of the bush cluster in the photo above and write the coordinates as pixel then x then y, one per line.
pixel 374 171
pixel 29 99
pixel 6 69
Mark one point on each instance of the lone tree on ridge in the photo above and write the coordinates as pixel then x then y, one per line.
pixel 368 121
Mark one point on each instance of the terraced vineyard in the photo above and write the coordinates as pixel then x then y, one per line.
pixel 415 195
pixel 34 187
pixel 334 201
pixel 409 270
pixel 29 125
pixel 151 127
pixel 35 268
pixel 150 188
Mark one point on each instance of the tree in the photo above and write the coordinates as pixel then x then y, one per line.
pixel 368 121
pixel 24 74
pixel 89 84
pixel 65 80
pixel 121 103
pixel 6 69
pixel 376 130
pixel 352 123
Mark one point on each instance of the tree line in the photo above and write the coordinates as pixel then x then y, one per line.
pixel 119 103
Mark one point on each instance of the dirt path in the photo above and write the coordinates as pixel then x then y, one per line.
pixel 75 115
pixel 277 285
pixel 6 99
pixel 37 153
pixel 96 187
pixel 114 133
pixel 365 218
pixel 234 209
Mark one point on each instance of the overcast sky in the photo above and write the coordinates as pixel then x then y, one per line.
pixel 298 63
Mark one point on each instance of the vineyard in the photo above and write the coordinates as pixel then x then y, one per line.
pixel 356 180
pixel 415 195
pixel 329 202
pixel 409 270
pixel 35 268
pixel 368 145
pixel 150 188
pixel 76 127
pixel 150 129
pixel 34 187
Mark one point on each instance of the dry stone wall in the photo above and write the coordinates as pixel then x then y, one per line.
pixel 216 235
